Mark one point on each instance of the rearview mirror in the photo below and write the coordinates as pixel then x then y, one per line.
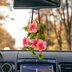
pixel 30 4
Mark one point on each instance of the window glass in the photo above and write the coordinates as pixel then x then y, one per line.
pixel 59 25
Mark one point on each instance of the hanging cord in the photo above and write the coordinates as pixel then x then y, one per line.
pixel 32 15
pixel 38 15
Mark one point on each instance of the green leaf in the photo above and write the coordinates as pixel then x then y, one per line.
pixel 40 56
pixel 33 53
pixel 26 28
pixel 32 36
pixel 39 27
pixel 32 50
pixel 44 26
pixel 40 36
pixel 28 35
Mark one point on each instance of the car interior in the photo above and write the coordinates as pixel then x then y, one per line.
pixel 57 15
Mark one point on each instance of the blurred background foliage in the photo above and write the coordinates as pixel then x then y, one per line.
pixel 59 26
pixel 6 40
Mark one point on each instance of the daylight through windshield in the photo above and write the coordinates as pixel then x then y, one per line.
pixel 58 21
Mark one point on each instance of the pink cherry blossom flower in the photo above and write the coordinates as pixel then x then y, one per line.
pixel 34 43
pixel 41 45
pixel 25 42
pixel 33 27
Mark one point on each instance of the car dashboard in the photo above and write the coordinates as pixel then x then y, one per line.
pixel 22 61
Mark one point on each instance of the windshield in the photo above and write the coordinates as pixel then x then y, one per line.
pixel 58 20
